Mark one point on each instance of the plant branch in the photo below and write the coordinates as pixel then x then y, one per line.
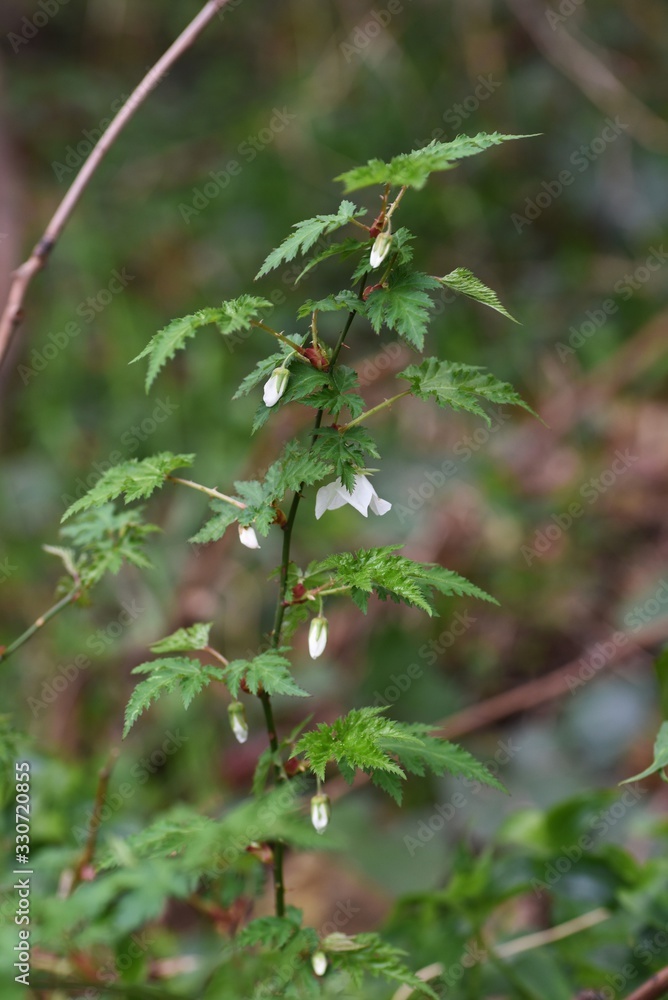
pixel 88 852
pixel 279 336
pixel 209 492
pixel 39 623
pixel 13 311
pixel 526 943
pixel 374 410
pixel 653 989
pixel 217 656
pixel 278 848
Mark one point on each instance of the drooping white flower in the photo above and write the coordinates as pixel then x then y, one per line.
pixel 317 636
pixel 363 498
pixel 320 812
pixel 248 538
pixel 237 714
pixel 275 386
pixel 319 962
pixel 381 247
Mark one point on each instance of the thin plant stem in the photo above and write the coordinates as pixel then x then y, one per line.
pixel 278 847
pixel 39 623
pixel 374 410
pixel 88 852
pixel 13 311
pixel 279 336
pixel 217 656
pixel 209 492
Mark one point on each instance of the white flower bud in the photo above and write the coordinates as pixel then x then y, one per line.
pixel 317 636
pixel 319 963
pixel 237 714
pixel 275 386
pixel 381 247
pixel 248 538
pixel 320 812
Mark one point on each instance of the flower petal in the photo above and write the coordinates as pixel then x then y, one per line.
pixel 379 506
pixel 328 498
pixel 362 495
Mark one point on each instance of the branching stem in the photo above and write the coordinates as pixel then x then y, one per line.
pixel 278 848
pixel 374 410
pixel 13 311
pixel 209 492
pixel 39 623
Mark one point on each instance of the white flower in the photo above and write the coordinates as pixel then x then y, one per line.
pixel 248 538
pixel 237 714
pixel 319 963
pixel 362 498
pixel 275 386
pixel 381 247
pixel 317 636
pixel 320 812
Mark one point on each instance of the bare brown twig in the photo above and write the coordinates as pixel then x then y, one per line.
pixel 653 989
pixel 88 852
pixel 587 71
pixel 13 311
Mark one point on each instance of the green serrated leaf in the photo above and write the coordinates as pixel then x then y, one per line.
pixel 135 479
pixel 439 756
pixel 225 514
pixel 269 670
pixel 388 575
pixel 353 741
pixel 343 250
pixel 332 303
pixel 404 305
pixel 231 317
pixel 307 233
pixel 184 639
pixel 465 282
pixel 105 539
pixel 166 676
pixel 347 451
pixel 375 957
pixel 413 169
pixel 461 387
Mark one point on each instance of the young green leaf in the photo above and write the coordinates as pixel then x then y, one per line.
pixel 353 741
pixel 404 305
pixel 465 282
pixel 271 932
pixel 368 954
pixel 383 572
pixel 307 233
pixel 225 514
pixel 184 639
pixel 270 670
pixel 106 539
pixel 343 250
pixel 413 169
pixel 461 387
pixel 346 450
pixel 168 675
pixel 339 394
pixel 438 756
pixel 135 479
pixel 336 302
pixel 230 317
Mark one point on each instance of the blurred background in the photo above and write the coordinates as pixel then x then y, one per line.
pixel 563 522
